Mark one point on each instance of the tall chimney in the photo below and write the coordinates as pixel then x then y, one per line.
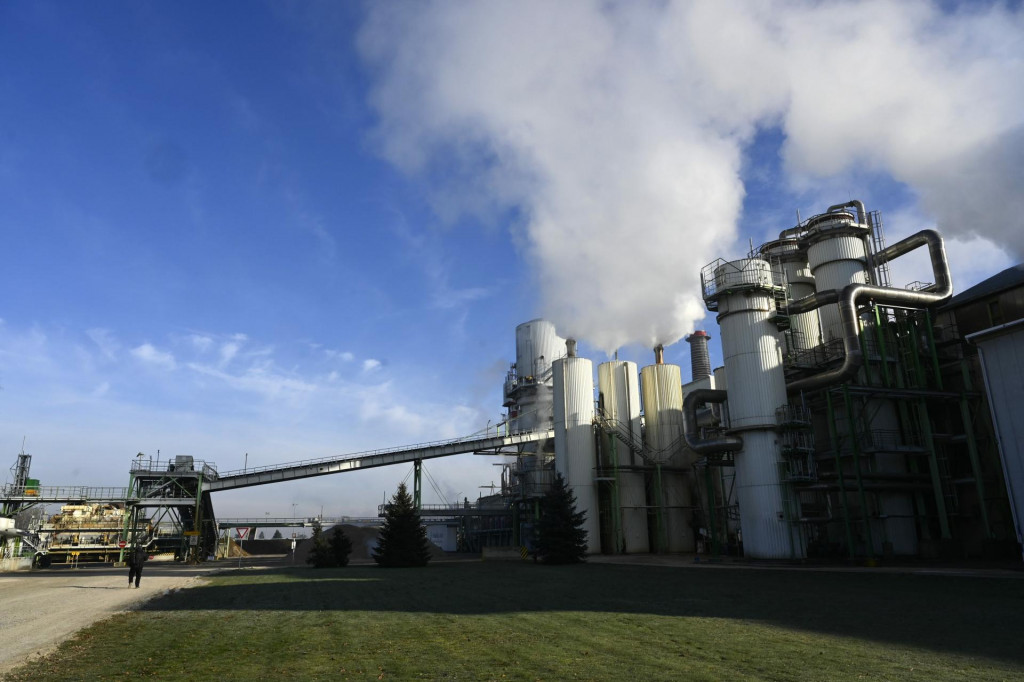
pixel 700 362
pixel 570 347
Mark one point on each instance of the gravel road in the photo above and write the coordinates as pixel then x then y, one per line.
pixel 40 609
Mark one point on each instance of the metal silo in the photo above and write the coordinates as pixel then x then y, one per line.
pixel 837 256
pixel 744 294
pixel 793 272
pixel 529 385
pixel 575 449
pixel 619 400
pixel 662 389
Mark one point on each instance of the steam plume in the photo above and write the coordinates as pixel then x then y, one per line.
pixel 617 131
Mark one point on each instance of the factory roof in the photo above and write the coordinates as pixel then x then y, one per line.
pixel 1007 279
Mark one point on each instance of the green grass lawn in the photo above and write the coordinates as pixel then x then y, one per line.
pixel 481 621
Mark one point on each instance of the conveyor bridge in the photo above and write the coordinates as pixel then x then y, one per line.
pixel 244 478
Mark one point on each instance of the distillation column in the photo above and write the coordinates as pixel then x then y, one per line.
pixel 838 256
pixel 743 293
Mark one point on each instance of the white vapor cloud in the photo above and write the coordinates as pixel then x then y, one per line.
pixel 617 130
pixel 150 355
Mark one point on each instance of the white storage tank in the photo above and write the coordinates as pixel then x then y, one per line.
pixel 528 390
pixel 795 274
pixel 619 398
pixel 662 389
pixel 575 447
pixel 837 257
pixel 753 362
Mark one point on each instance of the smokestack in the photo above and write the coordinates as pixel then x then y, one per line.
pixel 659 354
pixel 570 347
pixel 700 362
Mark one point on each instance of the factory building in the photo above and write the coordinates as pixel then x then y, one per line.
pixel 853 417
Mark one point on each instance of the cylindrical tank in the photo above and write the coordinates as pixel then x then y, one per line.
pixel 700 361
pixel 619 398
pixel 794 273
pixel 837 257
pixel 529 395
pixel 575 451
pixel 753 363
pixel 662 389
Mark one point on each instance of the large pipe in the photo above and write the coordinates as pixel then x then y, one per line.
pixel 851 294
pixel 857 204
pixel 706 446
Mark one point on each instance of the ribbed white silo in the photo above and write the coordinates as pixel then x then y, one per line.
pixel 794 272
pixel 619 396
pixel 662 389
pixel 757 387
pixel 529 396
pixel 837 257
pixel 575 449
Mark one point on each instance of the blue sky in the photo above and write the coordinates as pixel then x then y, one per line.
pixel 295 230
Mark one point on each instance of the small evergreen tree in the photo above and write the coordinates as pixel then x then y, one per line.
pixel 560 537
pixel 320 555
pixel 341 547
pixel 277 534
pixel 403 538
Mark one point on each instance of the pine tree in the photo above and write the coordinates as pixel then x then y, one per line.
pixel 320 555
pixel 341 547
pixel 561 538
pixel 277 534
pixel 403 538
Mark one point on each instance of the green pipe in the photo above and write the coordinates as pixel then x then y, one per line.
pixel 931 349
pixel 972 447
pixel 833 436
pixel 856 468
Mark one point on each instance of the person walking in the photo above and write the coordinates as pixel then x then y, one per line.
pixel 136 559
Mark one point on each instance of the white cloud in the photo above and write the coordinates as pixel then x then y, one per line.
pixel 150 355
pixel 105 341
pixel 371 365
pixel 201 342
pixel 617 130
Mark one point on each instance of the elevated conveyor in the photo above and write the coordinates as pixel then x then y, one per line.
pixel 231 480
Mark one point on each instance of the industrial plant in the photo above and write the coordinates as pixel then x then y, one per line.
pixel 853 418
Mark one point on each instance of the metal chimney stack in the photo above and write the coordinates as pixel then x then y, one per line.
pixel 700 362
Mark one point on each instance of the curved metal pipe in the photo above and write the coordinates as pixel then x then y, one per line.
pixel 706 446
pixel 857 204
pixel 851 294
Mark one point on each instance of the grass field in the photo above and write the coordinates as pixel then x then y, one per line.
pixel 481 621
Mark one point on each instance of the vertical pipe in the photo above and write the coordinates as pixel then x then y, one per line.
pixel 856 468
pixel 972 448
pixel 832 433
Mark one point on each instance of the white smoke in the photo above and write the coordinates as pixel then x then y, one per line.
pixel 617 131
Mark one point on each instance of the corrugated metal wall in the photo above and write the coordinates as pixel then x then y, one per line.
pixel 1002 357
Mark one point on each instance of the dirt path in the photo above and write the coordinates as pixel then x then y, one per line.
pixel 40 609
